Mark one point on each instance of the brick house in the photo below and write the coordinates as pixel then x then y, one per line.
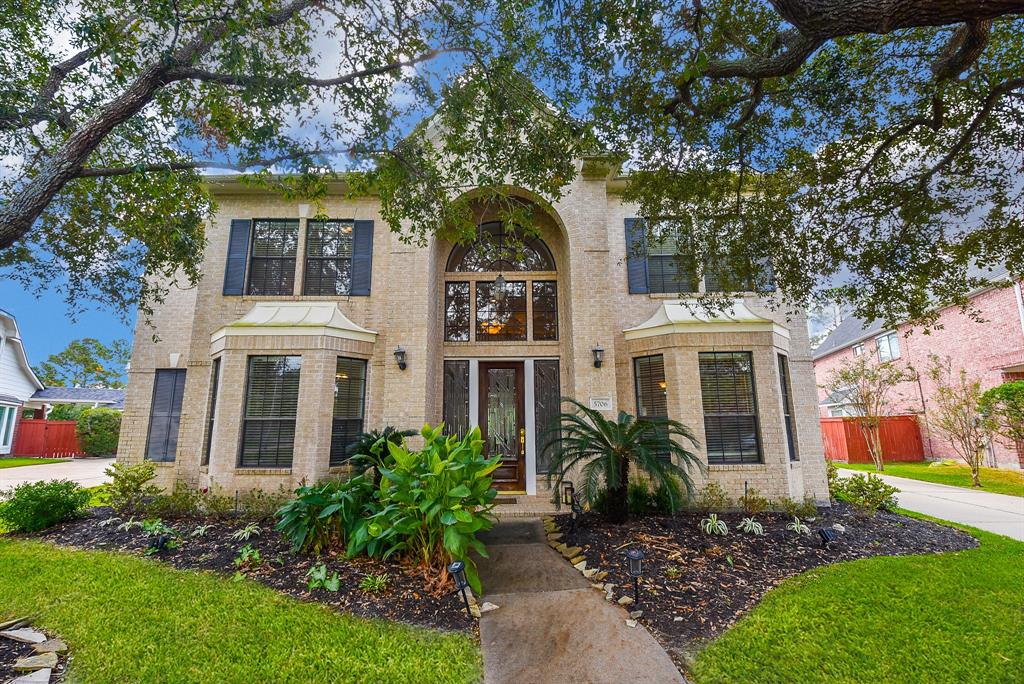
pixel 302 333
pixel 992 351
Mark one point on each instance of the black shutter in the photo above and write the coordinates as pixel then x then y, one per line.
pixel 636 256
pixel 238 250
pixel 362 258
pixel 165 414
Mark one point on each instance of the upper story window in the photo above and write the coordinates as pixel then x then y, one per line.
pixel 888 347
pixel 328 258
pixel 858 349
pixel 272 267
pixel 481 304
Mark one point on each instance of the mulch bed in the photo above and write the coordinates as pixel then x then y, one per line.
pixel 721 578
pixel 11 651
pixel 405 599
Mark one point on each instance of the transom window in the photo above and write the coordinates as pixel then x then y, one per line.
pixel 496 308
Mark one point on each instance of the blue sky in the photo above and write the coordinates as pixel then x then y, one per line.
pixel 46 326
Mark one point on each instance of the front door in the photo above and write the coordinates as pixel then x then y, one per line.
pixel 502 421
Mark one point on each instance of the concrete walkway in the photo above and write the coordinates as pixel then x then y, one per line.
pixel 999 513
pixel 87 472
pixel 551 626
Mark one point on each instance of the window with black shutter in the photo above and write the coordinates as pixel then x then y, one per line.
pixel 456 398
pixel 670 270
pixel 272 259
pixel 730 408
pixel 212 403
pixel 328 258
pixel 651 388
pixel 787 406
pixel 165 414
pixel 271 401
pixel 349 406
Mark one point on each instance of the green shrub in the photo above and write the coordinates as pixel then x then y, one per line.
pixel 130 487
pixel 868 493
pixel 258 504
pixel 217 503
pixel 182 502
pixel 642 500
pixel 753 503
pixel 712 498
pixel 321 516
pixel 834 483
pixel 66 412
pixel 35 506
pixel 98 430
pixel 432 504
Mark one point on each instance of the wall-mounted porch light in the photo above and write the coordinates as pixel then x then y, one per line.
pixel 598 353
pixel 400 357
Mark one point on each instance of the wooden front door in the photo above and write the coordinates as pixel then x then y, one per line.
pixel 502 421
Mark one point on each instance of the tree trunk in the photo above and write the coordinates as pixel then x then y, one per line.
pixel 618 498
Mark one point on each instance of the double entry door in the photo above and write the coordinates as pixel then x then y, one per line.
pixel 502 420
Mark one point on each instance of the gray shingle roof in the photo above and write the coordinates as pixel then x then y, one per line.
pixel 114 398
pixel 845 334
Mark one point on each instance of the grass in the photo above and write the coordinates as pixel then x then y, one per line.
pixel 15 462
pixel 940 618
pixel 130 619
pixel 992 479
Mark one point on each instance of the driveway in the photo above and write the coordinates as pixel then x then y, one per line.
pixel 87 472
pixel 999 513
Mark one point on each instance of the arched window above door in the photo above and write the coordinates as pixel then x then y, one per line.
pixel 498 248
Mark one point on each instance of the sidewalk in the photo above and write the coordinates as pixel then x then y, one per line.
pixel 999 513
pixel 551 626
pixel 87 472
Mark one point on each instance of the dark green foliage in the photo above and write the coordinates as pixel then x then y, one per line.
pixel 131 487
pixel 182 502
pixel 259 504
pixel 370 450
pixel 321 516
pixel 868 493
pixel 834 483
pixel 98 430
pixel 643 500
pixel 34 506
pixel 604 450
pixel 218 503
pixel 66 412
pixel 86 363
pixel 1004 405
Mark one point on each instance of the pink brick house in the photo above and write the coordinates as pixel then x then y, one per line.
pixel 992 350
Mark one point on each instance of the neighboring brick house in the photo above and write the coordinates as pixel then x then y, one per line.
pixel 301 333
pixel 991 350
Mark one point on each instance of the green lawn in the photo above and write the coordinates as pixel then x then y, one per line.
pixel 992 479
pixel 942 618
pixel 128 619
pixel 6 462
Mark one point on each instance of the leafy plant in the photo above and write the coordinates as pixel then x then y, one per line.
pixel 374 584
pixel 246 533
pixel 807 508
pixel 98 430
pixel 184 501
pixel 130 487
pixel 318 578
pixel 753 504
pixel 370 450
pixel 791 507
pixel 322 515
pixel 798 527
pixel 835 484
pixel 112 520
pixel 248 558
pixel 33 506
pixel 130 524
pixel 712 525
pixel 65 412
pixel 673 572
pixel 868 493
pixel 162 537
pixel 431 505
pixel 605 450
pixel 200 530
pixel 712 498
pixel 751 526
pixel 642 500
pixel 217 503
pixel 260 505
pixel 1003 405
pixel 953 413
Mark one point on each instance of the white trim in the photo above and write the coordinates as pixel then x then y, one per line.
pixel 474 393
pixel 16 339
pixel 295 318
pixel 1020 304
pixel 529 408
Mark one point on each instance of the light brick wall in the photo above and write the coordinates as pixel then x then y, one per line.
pixel 585 233
pixel 981 347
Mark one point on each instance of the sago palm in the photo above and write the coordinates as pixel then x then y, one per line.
pixel 605 449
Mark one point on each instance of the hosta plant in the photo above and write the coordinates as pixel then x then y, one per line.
pixel 798 527
pixel 246 533
pixel 712 525
pixel 751 526
pixel 162 537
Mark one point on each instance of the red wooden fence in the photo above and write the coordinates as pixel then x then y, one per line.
pixel 901 440
pixel 46 438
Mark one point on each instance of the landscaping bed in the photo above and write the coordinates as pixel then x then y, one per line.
pixel 404 599
pixel 12 651
pixel 695 586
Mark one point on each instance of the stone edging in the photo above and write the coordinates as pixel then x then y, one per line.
pixel 37 668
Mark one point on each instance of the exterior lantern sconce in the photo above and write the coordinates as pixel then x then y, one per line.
pixel 499 289
pixel 598 352
pixel 458 571
pixel 827 536
pixel 400 357
pixel 635 568
pixel 568 491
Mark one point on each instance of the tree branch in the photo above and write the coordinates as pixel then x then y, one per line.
pixel 43 108
pixel 963 49
pixel 794 49
pixel 241 167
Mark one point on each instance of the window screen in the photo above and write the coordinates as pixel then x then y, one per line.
pixel 456 312
pixel 271 400
pixel 212 403
pixel 272 268
pixel 165 414
pixel 349 404
pixel 328 258
pixel 545 310
pixel 730 409
pixel 787 406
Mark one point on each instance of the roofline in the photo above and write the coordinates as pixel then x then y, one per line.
pixel 854 342
pixel 21 347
